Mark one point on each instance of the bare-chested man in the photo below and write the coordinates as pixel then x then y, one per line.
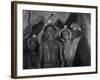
pixel 50 49
pixel 69 46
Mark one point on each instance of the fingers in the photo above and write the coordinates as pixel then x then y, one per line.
pixel 75 26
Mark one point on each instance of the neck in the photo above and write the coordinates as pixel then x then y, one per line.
pixel 50 39
pixel 67 40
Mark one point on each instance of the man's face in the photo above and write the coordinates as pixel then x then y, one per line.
pixel 66 35
pixel 50 32
pixel 33 44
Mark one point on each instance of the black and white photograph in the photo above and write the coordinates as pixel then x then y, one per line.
pixel 53 39
pixel 56 39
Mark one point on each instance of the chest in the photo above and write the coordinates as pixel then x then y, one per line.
pixel 70 48
pixel 50 46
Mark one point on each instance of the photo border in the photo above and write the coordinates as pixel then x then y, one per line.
pixel 14 37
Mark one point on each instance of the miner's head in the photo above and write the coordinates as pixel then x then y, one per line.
pixel 50 31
